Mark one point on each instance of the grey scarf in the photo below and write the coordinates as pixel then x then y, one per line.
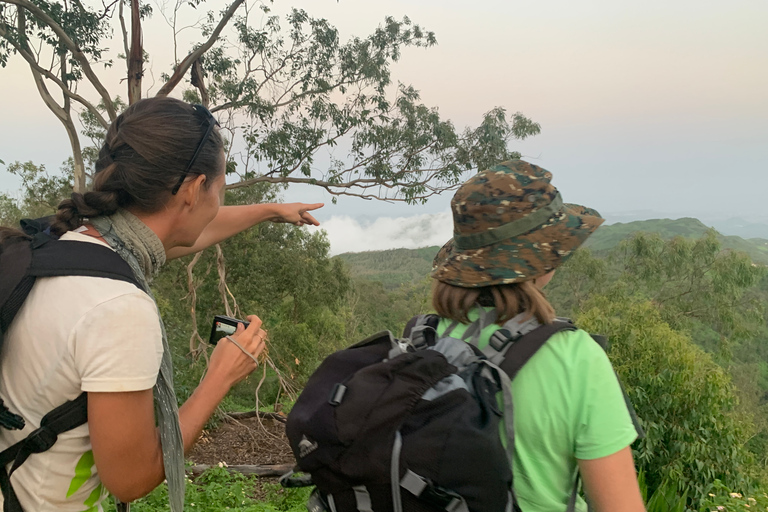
pixel 142 249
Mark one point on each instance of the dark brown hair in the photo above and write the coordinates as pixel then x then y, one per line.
pixel 144 154
pixel 455 302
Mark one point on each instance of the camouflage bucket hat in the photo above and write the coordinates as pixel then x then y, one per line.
pixel 510 225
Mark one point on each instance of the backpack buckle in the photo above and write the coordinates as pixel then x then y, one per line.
pixel 501 338
pixel 10 420
pixel 337 394
pixel 40 440
pixel 419 338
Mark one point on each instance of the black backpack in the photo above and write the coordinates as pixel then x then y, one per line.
pixel 22 260
pixel 412 424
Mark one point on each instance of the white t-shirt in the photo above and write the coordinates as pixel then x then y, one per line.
pixel 73 334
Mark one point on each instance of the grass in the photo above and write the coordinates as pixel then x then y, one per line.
pixel 218 490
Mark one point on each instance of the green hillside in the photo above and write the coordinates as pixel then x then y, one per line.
pixel 608 237
pixel 391 267
pixel 394 267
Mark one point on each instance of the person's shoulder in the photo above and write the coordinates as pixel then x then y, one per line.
pixel 575 347
pixel 574 338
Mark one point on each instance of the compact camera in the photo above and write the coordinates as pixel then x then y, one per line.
pixel 224 326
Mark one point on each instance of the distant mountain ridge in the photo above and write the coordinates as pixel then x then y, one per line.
pixel 608 237
pixel 394 267
pixel 753 226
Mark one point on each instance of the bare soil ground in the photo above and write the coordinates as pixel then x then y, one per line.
pixel 251 441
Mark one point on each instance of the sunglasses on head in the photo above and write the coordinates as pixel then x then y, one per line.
pixel 211 122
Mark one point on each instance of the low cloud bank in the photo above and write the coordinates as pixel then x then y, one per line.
pixel 348 234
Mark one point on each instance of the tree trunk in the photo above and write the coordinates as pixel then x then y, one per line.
pixel 77 156
pixel 74 139
pixel 136 58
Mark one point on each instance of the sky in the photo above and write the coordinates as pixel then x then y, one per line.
pixel 647 109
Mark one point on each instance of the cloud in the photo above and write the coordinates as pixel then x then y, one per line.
pixel 348 234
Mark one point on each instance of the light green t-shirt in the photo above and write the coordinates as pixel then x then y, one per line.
pixel 568 406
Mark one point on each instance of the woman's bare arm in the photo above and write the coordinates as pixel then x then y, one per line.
pixel 125 441
pixel 232 220
pixel 611 483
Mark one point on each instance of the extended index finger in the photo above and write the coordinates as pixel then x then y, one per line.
pixel 307 218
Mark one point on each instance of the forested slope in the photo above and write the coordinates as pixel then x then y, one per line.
pixel 394 267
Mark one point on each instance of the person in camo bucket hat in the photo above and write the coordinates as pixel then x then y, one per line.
pixel 511 231
pixel 510 225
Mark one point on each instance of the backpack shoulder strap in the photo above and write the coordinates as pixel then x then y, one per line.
pixel 45 256
pixel 522 349
pixel 71 258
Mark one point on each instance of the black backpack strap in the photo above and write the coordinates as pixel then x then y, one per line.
pixel 62 419
pixel 527 345
pixel 72 258
pixel 15 259
pixel 45 256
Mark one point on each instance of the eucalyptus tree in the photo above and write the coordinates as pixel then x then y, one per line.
pixel 298 104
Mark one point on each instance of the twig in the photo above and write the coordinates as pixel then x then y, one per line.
pixel 255 470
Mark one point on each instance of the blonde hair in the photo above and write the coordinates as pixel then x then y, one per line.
pixel 455 302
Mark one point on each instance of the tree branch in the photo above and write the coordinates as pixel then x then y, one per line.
pixel 66 41
pixel 197 81
pixel 182 68
pixel 195 341
pixel 334 188
pixel 27 56
pixel 54 107
pixel 74 138
pixel 106 8
pixel 125 34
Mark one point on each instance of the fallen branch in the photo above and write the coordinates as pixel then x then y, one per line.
pixel 252 414
pixel 257 470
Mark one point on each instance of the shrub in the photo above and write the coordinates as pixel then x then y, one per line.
pixel 685 401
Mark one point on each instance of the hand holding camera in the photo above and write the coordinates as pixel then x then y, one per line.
pixel 238 346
